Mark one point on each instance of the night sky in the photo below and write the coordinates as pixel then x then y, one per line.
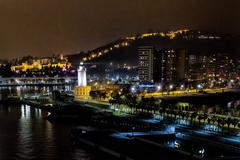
pixel 44 27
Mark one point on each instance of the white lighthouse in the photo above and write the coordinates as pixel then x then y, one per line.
pixel 82 75
pixel 82 91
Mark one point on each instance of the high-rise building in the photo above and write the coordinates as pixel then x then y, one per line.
pixel 197 67
pixel 170 66
pixel 220 67
pixel 214 67
pixel 181 64
pixel 145 63
pixel 238 69
pixel 164 66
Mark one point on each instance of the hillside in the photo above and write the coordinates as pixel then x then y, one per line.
pixel 125 50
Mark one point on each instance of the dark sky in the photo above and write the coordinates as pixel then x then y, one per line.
pixel 44 27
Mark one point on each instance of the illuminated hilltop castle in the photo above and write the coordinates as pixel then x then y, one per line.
pixel 36 64
pixel 82 91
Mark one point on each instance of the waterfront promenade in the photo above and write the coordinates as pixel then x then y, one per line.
pixel 126 121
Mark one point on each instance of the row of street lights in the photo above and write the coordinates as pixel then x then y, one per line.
pixel 168 88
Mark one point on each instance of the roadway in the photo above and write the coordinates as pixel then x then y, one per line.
pixel 210 96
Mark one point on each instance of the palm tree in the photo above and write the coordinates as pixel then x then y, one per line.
pixel 162 111
pixel 193 116
pixel 157 104
pixel 205 116
pixel 187 115
pixel 219 122
pixel 139 102
pixel 132 101
pixel 223 124
pixel 235 122
pixel 238 125
pixel 208 120
pixel 228 121
pixel 152 105
pixel 103 95
pixel 199 119
pixel 182 114
pixel 176 113
pixel 213 119
pixel 168 113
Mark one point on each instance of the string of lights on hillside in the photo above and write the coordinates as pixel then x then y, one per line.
pixel 127 40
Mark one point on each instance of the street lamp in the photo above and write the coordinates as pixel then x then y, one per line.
pixel 170 88
pixel 199 86
pixel 182 86
pixel 133 128
pixel 159 87
pixel 133 89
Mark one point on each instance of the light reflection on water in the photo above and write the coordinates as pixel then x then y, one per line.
pixel 25 134
pixel 23 90
pixel 24 144
pixel 25 112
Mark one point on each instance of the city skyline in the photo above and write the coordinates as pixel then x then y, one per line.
pixel 148 79
pixel 60 27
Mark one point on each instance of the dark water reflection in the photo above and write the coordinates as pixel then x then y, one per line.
pixel 30 90
pixel 25 134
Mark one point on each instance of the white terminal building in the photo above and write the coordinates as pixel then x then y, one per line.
pixel 82 91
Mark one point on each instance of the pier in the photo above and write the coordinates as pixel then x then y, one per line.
pixel 37 81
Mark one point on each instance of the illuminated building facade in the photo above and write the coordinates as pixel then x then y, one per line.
pixel 33 64
pixel 181 64
pixel 220 67
pixel 145 63
pixel 176 65
pixel 197 67
pixel 164 66
pixel 169 65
